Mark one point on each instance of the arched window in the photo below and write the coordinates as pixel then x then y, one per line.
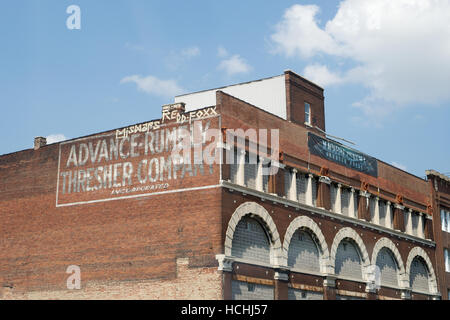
pixel 348 260
pixel 388 267
pixel 303 252
pixel 418 275
pixel 250 241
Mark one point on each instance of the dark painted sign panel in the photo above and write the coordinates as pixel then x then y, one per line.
pixel 342 155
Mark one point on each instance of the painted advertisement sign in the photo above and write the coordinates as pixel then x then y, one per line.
pixel 134 163
pixel 342 155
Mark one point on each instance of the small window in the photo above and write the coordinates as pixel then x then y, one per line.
pixel 448 221
pixel 307 113
pixel 444 220
pixel 251 287
pixel 446 260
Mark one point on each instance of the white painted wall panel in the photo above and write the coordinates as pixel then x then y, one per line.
pixel 268 94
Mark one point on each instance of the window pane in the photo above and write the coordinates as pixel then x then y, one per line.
pixel 307 113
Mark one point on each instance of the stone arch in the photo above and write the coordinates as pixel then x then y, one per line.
pixel 386 243
pixel 419 252
pixel 254 210
pixel 307 223
pixel 349 233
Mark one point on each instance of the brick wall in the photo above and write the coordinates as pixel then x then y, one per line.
pixel 190 284
pixel 122 246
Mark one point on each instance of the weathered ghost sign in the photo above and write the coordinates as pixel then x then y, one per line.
pixel 134 162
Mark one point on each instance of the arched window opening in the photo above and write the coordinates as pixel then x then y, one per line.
pixel 348 260
pixel 251 241
pixel 303 252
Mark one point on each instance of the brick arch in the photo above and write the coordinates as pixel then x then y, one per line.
pixel 349 233
pixel 386 243
pixel 253 209
pixel 419 252
pixel 308 223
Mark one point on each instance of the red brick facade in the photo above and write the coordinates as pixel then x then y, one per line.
pixel 168 243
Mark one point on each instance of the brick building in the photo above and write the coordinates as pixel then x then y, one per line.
pixel 329 222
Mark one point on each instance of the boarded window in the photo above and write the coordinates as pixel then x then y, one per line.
pixel 287 183
pixel 418 275
pixel 333 195
pixel 296 294
pixel 314 191
pixel 266 169
pixel 348 261
pixel 250 170
pixel 301 188
pixel 303 252
pixel 406 219
pixel 355 205
pixel 345 199
pixel 382 213
pixel 234 167
pixel 415 223
pixel 250 291
pixel 250 241
pixel 372 203
pixel 341 297
pixel 388 267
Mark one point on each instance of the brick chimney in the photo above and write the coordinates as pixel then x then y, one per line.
pixel 39 142
pixel 300 91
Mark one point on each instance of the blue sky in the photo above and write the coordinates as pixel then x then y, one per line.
pixel 385 67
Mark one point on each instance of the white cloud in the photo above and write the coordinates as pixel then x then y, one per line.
pixel 401 48
pixel 234 65
pixel 190 52
pixel 222 52
pixel 398 165
pixel 320 75
pixel 134 47
pixel 176 59
pixel 298 33
pixel 155 86
pixel 53 138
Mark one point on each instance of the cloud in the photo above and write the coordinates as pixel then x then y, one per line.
pixel 320 75
pixel 234 65
pixel 399 50
pixel 154 86
pixel 398 165
pixel 298 33
pixel 134 47
pixel 53 138
pixel 222 52
pixel 190 52
pixel 177 58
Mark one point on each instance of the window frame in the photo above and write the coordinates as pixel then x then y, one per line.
pixel 307 119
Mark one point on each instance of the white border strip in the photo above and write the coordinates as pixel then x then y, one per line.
pixel 139 195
